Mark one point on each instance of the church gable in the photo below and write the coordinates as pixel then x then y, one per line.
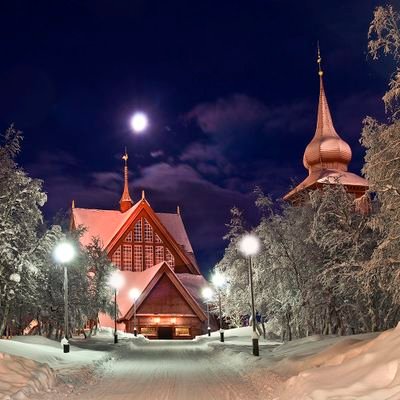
pixel 164 298
pixel 141 244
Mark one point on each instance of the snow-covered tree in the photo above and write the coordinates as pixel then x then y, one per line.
pixel 31 283
pixel 310 274
pixel 382 160
pixel 23 246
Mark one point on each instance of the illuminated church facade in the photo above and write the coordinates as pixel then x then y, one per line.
pixel 154 254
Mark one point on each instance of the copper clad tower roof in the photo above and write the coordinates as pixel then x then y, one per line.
pixel 126 202
pixel 327 156
pixel 327 149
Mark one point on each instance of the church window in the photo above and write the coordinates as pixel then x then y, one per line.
pixel 159 254
pixel 182 331
pixel 128 237
pixel 169 258
pixel 158 239
pixel 138 258
pixel 137 231
pixel 127 257
pixel 116 257
pixel 148 331
pixel 148 232
pixel 148 257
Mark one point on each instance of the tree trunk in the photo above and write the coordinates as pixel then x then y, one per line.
pixel 4 320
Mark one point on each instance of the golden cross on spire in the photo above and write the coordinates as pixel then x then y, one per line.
pixel 125 156
pixel 319 59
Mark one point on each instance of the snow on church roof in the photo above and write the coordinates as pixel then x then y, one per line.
pixel 174 225
pixel 103 224
pixel 106 223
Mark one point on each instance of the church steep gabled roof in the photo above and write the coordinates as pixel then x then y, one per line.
pixel 145 282
pixel 108 224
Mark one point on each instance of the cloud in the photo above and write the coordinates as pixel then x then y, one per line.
pixel 205 206
pixel 228 114
pixel 207 158
pixel 156 153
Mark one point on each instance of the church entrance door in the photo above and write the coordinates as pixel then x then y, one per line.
pixel 165 332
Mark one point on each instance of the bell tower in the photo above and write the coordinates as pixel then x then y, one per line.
pixel 126 202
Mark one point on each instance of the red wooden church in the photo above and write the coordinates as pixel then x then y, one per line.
pixel 154 254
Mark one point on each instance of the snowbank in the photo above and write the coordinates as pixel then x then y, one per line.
pixel 43 350
pixel 235 336
pixel 20 377
pixel 350 369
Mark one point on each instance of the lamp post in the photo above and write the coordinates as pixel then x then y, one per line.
pixel 134 295
pixel 64 253
pixel 116 281
pixel 207 295
pixel 249 245
pixel 219 281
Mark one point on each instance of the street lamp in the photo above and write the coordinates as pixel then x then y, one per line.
pixel 134 295
pixel 207 295
pixel 219 281
pixel 64 253
pixel 249 245
pixel 116 281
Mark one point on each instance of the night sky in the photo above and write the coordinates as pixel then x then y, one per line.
pixel 230 87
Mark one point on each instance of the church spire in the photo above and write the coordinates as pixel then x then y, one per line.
pixel 126 202
pixel 327 150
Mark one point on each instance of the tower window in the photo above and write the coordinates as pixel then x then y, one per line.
pixel 169 258
pixel 159 254
pixel 148 232
pixel 128 237
pixel 137 231
pixel 158 239
pixel 116 257
pixel 127 257
pixel 148 257
pixel 138 258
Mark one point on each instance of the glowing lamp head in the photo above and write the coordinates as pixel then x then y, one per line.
pixel 207 293
pixel 116 280
pixel 64 252
pixel 139 122
pixel 134 294
pixel 218 279
pixel 249 245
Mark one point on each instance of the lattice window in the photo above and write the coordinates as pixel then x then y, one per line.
pixel 148 232
pixel 127 257
pixel 148 257
pixel 116 257
pixel 169 258
pixel 159 254
pixel 128 237
pixel 138 258
pixel 137 231
pixel 157 238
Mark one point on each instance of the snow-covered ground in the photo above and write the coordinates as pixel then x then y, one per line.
pixel 20 377
pixel 29 364
pixel 361 367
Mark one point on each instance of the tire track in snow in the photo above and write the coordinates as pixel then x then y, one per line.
pixel 170 371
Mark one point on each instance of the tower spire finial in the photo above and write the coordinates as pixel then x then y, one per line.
pixel 319 59
pixel 126 202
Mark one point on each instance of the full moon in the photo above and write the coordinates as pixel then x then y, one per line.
pixel 139 122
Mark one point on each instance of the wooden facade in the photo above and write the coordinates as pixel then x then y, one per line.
pixel 154 254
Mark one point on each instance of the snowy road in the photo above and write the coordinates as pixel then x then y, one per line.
pixel 170 370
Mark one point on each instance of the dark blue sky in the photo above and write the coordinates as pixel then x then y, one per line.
pixel 231 89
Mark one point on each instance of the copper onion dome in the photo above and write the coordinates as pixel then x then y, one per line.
pixel 327 150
